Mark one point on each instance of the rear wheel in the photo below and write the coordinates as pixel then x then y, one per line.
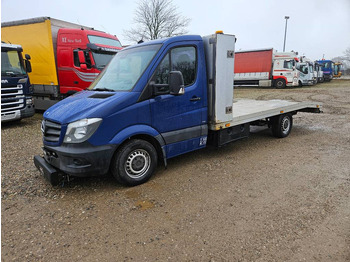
pixel 280 83
pixel 282 125
pixel 134 163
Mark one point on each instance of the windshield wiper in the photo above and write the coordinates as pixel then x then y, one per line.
pixel 101 67
pixel 103 89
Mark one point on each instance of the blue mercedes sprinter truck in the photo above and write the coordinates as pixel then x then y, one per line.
pixel 155 101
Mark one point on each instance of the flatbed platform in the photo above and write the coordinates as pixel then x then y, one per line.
pixel 249 110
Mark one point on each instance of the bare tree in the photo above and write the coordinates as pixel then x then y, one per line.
pixel 156 19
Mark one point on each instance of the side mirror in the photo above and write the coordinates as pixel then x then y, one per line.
pixel 83 66
pixel 28 65
pixel 176 83
pixel 27 57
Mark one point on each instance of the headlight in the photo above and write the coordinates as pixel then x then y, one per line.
pixel 81 130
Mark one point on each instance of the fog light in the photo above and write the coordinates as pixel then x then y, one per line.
pixel 77 162
pixel 29 101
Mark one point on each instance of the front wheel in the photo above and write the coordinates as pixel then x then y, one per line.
pixel 280 83
pixel 282 125
pixel 134 163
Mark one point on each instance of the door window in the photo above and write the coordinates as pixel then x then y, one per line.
pixel 181 59
pixel 76 58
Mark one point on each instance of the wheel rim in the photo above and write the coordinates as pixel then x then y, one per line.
pixel 285 125
pixel 279 84
pixel 137 163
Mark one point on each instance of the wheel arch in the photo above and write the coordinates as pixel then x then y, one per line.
pixel 142 132
pixel 278 78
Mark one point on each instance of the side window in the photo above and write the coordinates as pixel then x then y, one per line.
pixel 76 59
pixel 182 59
pixel 288 64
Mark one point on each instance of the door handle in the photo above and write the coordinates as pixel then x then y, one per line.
pixel 195 98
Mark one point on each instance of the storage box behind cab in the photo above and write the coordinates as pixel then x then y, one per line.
pixel 219 49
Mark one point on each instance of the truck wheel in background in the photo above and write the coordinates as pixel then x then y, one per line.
pixel 280 83
pixel 300 84
pixel 282 125
pixel 134 162
pixel 321 79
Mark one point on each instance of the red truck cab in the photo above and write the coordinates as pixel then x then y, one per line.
pixel 81 56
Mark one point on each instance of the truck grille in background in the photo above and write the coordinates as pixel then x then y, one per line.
pixel 12 98
pixel 51 131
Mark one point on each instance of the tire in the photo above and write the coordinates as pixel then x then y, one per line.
pixel 300 84
pixel 280 83
pixel 134 163
pixel 282 125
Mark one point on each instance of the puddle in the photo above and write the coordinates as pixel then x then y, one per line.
pixel 144 204
pixel 132 194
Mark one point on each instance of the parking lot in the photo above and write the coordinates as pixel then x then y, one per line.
pixel 259 199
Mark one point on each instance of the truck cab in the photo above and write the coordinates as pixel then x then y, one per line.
pixel 81 56
pixel 131 100
pixel 327 68
pixel 284 67
pixel 318 73
pixel 16 90
pixel 306 69
pixel 337 69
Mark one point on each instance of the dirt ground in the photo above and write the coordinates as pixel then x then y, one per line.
pixel 259 199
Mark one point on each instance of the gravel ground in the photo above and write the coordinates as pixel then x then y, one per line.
pixel 259 199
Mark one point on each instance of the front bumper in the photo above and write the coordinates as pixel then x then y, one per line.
pixel 80 160
pixel 28 111
pixel 13 115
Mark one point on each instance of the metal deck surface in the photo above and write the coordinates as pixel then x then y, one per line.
pixel 247 110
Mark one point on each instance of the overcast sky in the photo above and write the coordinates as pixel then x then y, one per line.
pixel 315 27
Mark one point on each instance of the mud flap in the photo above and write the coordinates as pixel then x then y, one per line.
pixel 50 173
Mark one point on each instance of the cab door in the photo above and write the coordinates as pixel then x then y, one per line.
pixel 178 118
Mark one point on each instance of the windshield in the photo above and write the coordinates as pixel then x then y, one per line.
pixel 326 65
pixel 303 69
pixel 99 40
pixel 336 69
pixel 101 60
pixel 11 63
pixel 125 69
